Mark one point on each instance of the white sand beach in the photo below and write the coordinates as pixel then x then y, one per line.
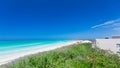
pixel 33 50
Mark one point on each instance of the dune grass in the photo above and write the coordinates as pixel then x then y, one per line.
pixel 76 56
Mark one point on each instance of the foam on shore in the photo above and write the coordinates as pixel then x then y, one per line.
pixel 9 58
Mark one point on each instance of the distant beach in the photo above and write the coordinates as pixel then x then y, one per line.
pixel 14 52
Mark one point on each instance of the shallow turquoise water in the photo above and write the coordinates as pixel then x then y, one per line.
pixel 7 46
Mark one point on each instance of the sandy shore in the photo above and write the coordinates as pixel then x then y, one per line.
pixel 34 50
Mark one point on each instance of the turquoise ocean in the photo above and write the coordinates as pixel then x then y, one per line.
pixel 13 46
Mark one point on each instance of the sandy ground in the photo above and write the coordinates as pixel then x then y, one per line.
pixel 34 50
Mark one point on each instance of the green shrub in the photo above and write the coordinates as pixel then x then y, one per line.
pixel 76 56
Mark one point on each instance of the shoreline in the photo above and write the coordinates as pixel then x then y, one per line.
pixel 13 57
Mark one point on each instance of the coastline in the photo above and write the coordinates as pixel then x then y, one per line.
pixel 35 50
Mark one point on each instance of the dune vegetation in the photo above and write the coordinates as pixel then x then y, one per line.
pixel 75 56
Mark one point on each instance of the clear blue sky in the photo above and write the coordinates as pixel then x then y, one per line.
pixel 59 19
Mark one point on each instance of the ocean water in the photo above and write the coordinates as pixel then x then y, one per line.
pixel 13 46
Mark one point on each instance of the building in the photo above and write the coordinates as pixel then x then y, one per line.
pixel 109 44
pixel 115 37
pixel 86 41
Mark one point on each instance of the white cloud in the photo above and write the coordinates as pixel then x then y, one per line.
pixel 117 28
pixel 112 23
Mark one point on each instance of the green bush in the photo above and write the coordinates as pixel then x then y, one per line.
pixel 76 56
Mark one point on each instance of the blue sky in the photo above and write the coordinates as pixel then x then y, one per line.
pixel 59 19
